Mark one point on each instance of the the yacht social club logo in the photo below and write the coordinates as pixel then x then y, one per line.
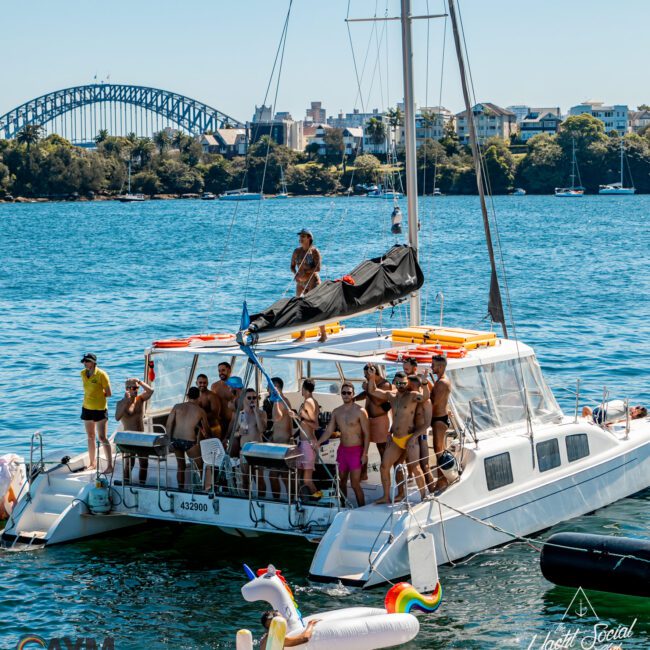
pixel 571 632
pixel 34 642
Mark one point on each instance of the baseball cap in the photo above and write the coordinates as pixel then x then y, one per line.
pixel 89 356
pixel 304 231
pixel 235 382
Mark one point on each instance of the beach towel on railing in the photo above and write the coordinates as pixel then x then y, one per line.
pixel 380 281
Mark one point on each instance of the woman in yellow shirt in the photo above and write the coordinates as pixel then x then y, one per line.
pixel 94 411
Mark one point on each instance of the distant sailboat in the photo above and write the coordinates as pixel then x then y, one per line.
pixel 574 190
pixel 617 188
pixel 128 197
pixel 284 194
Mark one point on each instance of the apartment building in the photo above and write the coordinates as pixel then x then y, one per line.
pixel 490 120
pixel 615 118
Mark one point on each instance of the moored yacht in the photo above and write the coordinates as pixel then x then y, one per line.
pixel 618 188
pixel 241 195
pixel 575 190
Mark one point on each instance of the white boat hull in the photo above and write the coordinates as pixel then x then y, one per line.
pixel 617 190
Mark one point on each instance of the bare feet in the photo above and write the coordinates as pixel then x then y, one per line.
pixel 92 466
pixel 300 339
pixel 322 338
pixel 380 501
pixel 108 470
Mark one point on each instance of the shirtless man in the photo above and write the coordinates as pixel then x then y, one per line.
pixel 211 404
pixel 405 404
pixel 377 409
pixel 182 425
pixel 410 366
pixel 440 418
pixel 282 429
pixel 308 413
pixel 305 265
pixel 251 424
pixel 352 422
pixel 225 396
pixel 417 451
pixel 129 412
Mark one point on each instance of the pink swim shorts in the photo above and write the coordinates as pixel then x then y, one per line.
pixel 349 458
pixel 308 455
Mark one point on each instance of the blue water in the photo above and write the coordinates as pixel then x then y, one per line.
pixel 110 278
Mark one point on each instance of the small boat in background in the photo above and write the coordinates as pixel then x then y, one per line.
pixel 618 188
pixel 128 197
pixel 574 190
pixel 284 194
pixel 381 193
pixel 208 196
pixel 518 191
pixel 241 195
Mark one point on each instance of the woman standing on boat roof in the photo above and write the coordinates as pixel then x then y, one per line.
pixel 305 265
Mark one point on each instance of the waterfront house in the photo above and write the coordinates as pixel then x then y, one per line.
pixel 353 140
pixel 490 120
pixel 615 118
pixel 227 142
pixel 638 120
pixel 540 120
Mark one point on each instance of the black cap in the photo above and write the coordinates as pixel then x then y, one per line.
pixel 304 231
pixel 89 356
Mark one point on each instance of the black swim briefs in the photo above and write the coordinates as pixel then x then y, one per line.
pixel 440 418
pixel 182 445
pixel 93 416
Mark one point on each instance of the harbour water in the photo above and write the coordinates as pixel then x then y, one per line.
pixel 110 278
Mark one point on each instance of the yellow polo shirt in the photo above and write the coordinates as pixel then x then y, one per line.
pixel 94 386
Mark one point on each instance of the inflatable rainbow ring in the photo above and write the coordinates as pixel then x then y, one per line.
pixel 403 598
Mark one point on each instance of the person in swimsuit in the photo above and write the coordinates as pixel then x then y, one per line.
pixel 404 403
pixel 417 451
pixel 300 639
pixel 440 418
pixel 211 404
pixel 351 421
pixel 129 413
pixel 410 366
pixel 224 393
pixel 282 430
pixel 308 418
pixel 184 423
pixel 305 266
pixel 94 410
pixel 377 409
pixel 251 425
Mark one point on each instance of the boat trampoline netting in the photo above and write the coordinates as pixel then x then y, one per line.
pixel 379 281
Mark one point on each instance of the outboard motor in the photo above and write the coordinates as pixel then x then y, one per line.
pixel 396 221
pixel 99 501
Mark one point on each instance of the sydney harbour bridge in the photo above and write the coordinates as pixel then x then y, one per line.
pixel 80 112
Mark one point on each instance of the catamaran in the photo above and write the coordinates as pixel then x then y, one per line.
pixel 618 188
pixel 574 190
pixel 523 464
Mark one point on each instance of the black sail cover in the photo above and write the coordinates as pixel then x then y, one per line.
pixel 376 282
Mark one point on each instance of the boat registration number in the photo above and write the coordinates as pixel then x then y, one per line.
pixel 193 505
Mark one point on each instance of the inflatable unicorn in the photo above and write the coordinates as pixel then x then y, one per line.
pixel 352 628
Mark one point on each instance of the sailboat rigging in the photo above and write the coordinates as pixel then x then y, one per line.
pixel 574 190
pixel 618 188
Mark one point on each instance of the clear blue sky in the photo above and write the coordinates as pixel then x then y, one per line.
pixel 551 53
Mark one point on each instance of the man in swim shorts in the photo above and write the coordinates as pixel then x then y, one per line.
pixel 352 422
pixel 404 403
pixel 305 266
pixel 94 411
pixel 129 412
pixel 186 425
pixel 250 427
pixel 282 430
pixel 440 417
pixel 225 396
pixel 599 415
pixel 211 404
pixel 308 420
pixel 417 450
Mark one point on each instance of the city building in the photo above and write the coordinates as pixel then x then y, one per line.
pixel 316 114
pixel 540 120
pixel 356 118
pixel 638 120
pixel 615 118
pixel 520 111
pixel 315 135
pixel 490 120
pixel 430 122
pixel 263 114
pixel 353 140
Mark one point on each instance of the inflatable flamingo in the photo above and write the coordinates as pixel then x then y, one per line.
pixel 352 628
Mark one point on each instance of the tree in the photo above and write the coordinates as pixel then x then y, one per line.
pixel 541 169
pixel 312 179
pixel 218 176
pixel 376 130
pixel 101 136
pixel 367 168
pixel 334 146
pixel 499 165
pixel 450 140
pixel 162 141
pixel 142 151
pixel 643 107
pixel 30 134
pixel 395 118
pixel 146 182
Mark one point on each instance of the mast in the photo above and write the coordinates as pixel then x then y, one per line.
pixel 573 163
pixel 621 161
pixel 495 304
pixel 411 161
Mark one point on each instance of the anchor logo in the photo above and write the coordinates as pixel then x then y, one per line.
pixel 582 608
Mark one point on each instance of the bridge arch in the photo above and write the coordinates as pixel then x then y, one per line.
pixel 116 104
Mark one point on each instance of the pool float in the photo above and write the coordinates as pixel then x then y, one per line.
pixel 352 628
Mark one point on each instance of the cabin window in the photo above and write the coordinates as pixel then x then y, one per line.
pixel 208 364
pixel 577 446
pixel 283 368
pixel 172 374
pixel 324 374
pixel 548 455
pixel 498 471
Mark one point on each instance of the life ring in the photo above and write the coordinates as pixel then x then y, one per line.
pixel 399 354
pixel 171 343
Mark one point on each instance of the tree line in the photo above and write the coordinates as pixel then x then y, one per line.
pixel 34 166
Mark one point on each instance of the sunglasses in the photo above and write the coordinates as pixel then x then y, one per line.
pixel 401 383
pixel 132 388
pixel 251 398
pixel 347 392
